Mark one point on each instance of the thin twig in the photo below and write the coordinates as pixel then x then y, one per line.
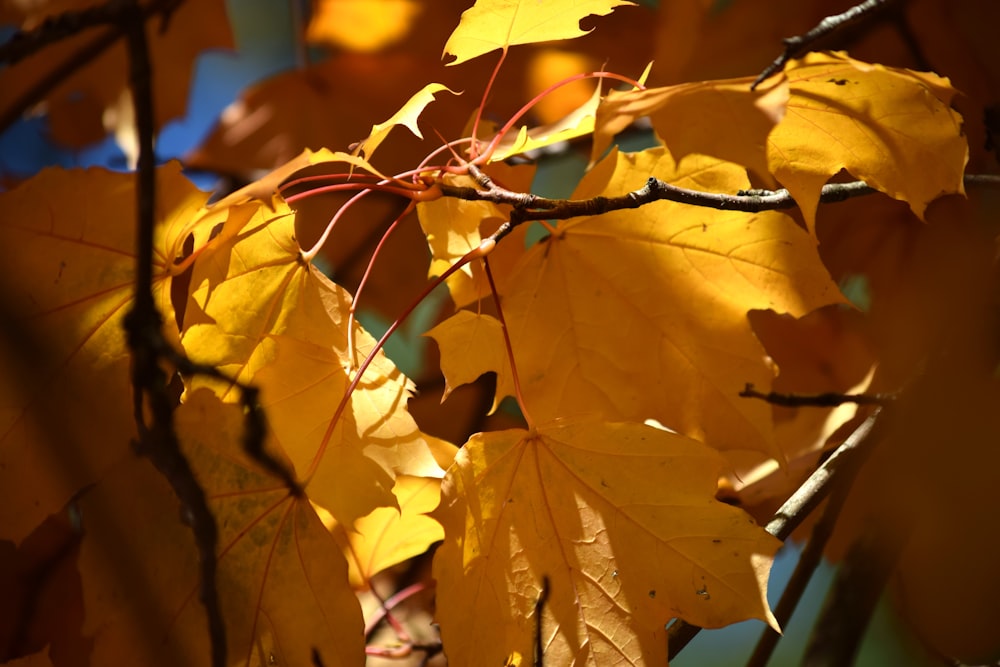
pixel 22 44
pixel 798 45
pixel 143 324
pixel 529 207
pixel 826 400
pixel 809 560
pixel 845 461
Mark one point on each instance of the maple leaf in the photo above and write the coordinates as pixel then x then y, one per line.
pixel 889 127
pixel 407 117
pixel 67 240
pixel 81 105
pixel 497 24
pixel 455 226
pixel 641 314
pixel 281 579
pixel 620 518
pixel 472 344
pixel 260 313
pixel 361 25
pixel 724 119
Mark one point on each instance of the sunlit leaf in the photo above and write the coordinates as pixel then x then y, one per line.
pixel 407 117
pixel 497 24
pixel 641 314
pixel 260 313
pixel 456 226
pixel 620 518
pixel 891 128
pixel 361 25
pixel 472 344
pixel 724 119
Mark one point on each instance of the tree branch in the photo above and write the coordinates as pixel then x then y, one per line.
pixel 529 207
pixel 798 45
pixel 143 324
pixel 827 400
pixel 113 13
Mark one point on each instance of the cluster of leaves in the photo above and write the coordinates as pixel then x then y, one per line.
pixel 625 335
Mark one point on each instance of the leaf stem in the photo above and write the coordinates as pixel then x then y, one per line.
pixel 475 253
pixel 506 340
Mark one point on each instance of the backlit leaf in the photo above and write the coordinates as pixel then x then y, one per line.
pixel 641 314
pixel 455 226
pixel 891 128
pixel 361 25
pixel 67 245
pixel 497 24
pixel 260 313
pixel 472 344
pixel 407 117
pixel 281 579
pixel 724 119
pixel 620 518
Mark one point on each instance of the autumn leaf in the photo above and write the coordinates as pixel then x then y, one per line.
pixel 291 342
pixel 281 579
pixel 455 226
pixel 407 117
pixel 472 344
pixel 498 24
pixel 724 119
pixel 620 518
pixel 361 25
pixel 67 244
pixel 641 314
pixel 889 127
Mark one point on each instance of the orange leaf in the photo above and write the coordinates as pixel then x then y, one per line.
pixel 260 313
pixel 724 119
pixel 619 517
pixel 889 127
pixel 361 25
pixel 455 226
pixel 67 242
pixel 472 344
pixel 641 314
pixel 281 579
pixel 497 24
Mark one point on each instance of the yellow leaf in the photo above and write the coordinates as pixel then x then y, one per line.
pixel 388 536
pixel 497 24
pixel 891 128
pixel 578 123
pixel 67 244
pixel 622 520
pixel 361 25
pixel 472 344
pixel 724 119
pixel 258 312
pixel 455 226
pixel 407 116
pixel 281 580
pixel 640 314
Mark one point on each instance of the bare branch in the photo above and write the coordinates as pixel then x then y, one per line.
pixel 827 400
pixel 529 207
pixel 796 46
